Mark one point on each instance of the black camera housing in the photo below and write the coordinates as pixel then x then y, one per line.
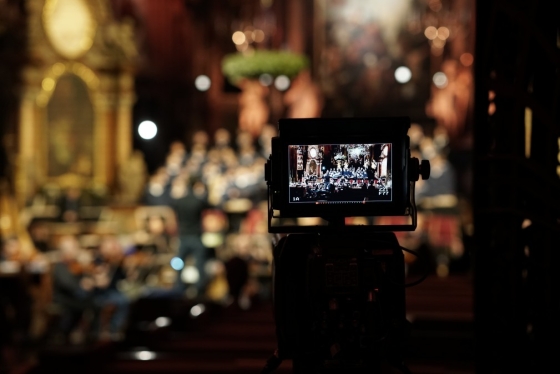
pixel 339 302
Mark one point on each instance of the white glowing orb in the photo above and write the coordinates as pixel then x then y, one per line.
pixel 147 130
pixel 403 74
pixel 190 274
pixel 145 355
pixel 440 80
pixel 282 82
pixel 202 83
pixel 197 310
pixel 163 321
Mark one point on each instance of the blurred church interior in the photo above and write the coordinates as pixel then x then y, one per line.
pixel 133 205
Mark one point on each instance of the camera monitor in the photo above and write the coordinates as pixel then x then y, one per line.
pixel 340 167
pixel 339 173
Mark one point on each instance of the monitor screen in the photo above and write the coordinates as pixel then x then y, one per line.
pixel 340 173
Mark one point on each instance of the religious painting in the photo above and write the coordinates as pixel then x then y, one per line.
pixel 70 128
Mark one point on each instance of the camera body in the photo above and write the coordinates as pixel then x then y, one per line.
pixel 339 293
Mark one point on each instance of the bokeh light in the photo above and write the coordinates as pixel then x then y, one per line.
pixel 197 310
pixel 466 59
pixel 403 74
pixel 431 32
pixel 147 130
pixel 163 321
pixel 145 355
pixel 190 274
pixel 440 80
pixel 266 79
pixel 282 82
pixel 443 33
pixel 238 37
pixel 176 263
pixel 202 83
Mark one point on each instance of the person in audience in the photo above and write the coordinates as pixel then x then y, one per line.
pixel 73 287
pixel 15 301
pixel 108 272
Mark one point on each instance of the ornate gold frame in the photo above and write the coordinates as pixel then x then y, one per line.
pixel 48 85
pixel 88 38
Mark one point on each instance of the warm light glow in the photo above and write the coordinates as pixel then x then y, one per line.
pixel 5 222
pixel 202 83
pixel 48 84
pixel 70 26
pixel 491 108
pixel 431 32
pixel 438 43
pixel 443 33
pixel 528 131
pixel 466 59
pixel 249 36
pixel 491 95
pixel 58 68
pixel 238 37
pixel 282 82
pixel 267 3
pixel 440 79
pixel 258 36
pixel 147 130
pixel 403 74
pixel 436 51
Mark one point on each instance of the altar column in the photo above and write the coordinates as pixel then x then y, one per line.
pixel 124 118
pixel 26 170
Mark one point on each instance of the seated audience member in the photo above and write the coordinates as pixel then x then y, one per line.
pixel 108 272
pixel 73 287
pixel 15 301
